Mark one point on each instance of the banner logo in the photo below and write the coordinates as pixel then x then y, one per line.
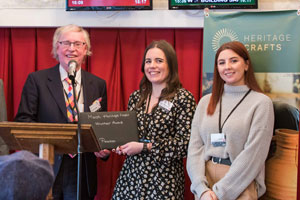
pixel 223 35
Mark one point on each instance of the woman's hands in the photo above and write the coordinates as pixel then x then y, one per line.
pixel 130 148
pixel 208 195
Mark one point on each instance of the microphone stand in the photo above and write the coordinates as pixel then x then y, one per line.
pixel 79 149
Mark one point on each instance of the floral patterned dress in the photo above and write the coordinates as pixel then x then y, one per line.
pixel 158 174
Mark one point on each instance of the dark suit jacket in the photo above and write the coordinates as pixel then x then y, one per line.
pixel 43 101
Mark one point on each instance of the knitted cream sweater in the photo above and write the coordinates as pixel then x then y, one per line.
pixel 248 135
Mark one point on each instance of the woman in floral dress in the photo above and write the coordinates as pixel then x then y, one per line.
pixel 154 167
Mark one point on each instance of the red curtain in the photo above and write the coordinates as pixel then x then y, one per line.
pixel 117 57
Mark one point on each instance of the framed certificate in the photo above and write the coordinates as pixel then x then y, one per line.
pixel 112 129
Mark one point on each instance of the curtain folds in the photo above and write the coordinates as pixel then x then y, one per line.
pixel 117 58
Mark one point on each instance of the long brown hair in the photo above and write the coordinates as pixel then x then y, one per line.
pixel 173 82
pixel 218 82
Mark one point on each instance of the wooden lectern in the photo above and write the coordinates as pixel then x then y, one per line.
pixel 47 138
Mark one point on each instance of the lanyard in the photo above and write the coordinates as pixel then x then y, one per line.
pixel 221 127
pixel 148 103
pixel 147 120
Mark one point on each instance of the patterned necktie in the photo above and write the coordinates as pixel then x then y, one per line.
pixel 71 110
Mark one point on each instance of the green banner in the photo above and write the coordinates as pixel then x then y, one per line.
pixel 273 42
pixel 272 38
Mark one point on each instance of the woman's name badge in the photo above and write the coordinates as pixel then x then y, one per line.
pixel 166 105
pixel 218 139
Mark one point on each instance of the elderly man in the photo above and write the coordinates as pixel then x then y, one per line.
pixel 48 97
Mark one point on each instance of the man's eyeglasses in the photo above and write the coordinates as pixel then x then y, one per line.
pixel 67 44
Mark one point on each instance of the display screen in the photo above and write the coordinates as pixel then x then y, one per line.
pixel 212 4
pixel 95 5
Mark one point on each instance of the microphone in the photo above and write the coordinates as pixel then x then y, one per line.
pixel 72 73
pixel 72 69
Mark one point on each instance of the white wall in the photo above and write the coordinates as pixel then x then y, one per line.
pixel 51 13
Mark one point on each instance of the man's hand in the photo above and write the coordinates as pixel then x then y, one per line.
pixel 102 154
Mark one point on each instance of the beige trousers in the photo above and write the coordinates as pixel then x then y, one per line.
pixel 214 172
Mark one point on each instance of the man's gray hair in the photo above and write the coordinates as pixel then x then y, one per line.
pixel 70 28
